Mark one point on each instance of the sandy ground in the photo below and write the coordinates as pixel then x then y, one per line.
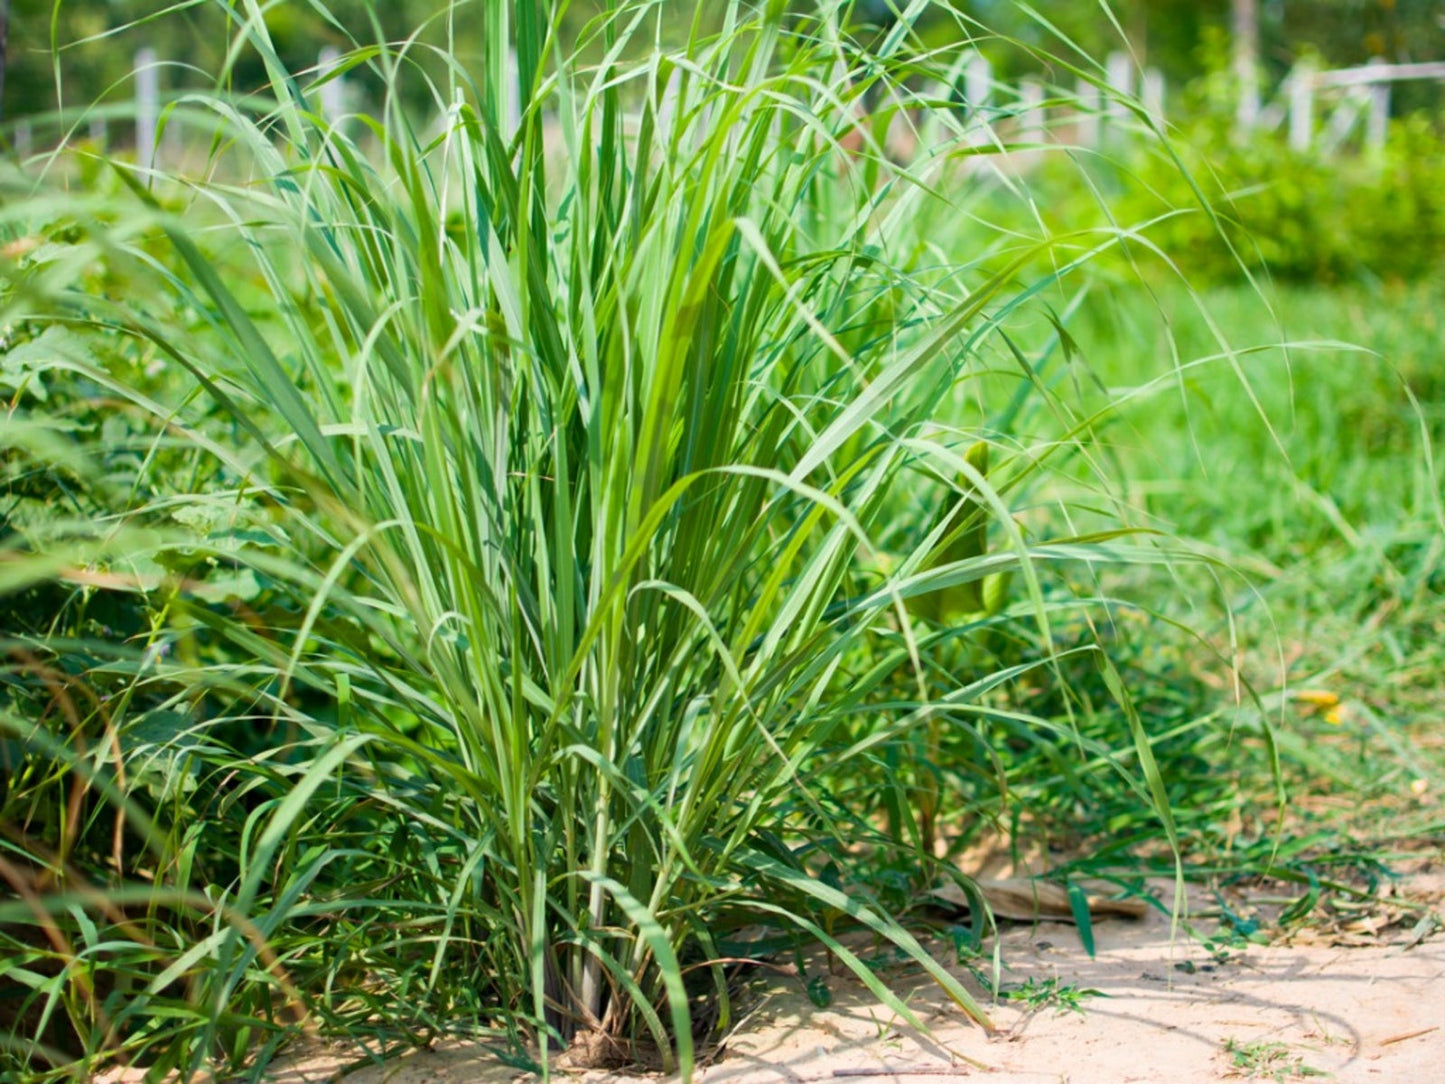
pixel 1359 997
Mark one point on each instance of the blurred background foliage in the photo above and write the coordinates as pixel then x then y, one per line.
pixel 96 39
pixel 1242 202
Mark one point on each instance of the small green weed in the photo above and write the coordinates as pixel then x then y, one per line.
pixel 1263 1058
pixel 1037 994
pixel 1235 931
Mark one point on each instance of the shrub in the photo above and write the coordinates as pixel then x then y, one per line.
pixel 1297 216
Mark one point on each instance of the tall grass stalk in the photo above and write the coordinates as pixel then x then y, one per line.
pixel 550 471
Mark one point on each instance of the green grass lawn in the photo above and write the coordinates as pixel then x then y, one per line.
pixel 1321 487
pixel 1306 475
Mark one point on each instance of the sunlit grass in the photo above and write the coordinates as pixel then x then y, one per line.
pixel 539 557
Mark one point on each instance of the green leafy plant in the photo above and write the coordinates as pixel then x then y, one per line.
pixel 525 575
pixel 1298 216
pixel 1050 993
pixel 1263 1058
pixel 1252 202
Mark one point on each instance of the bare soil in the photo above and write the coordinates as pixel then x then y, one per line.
pixel 1356 995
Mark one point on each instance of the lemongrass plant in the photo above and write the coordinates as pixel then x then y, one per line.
pixel 562 457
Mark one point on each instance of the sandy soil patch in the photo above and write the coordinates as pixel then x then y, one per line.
pixel 1360 999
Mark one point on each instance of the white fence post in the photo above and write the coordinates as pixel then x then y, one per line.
pixel 1088 114
pixel 1151 90
pixel 669 104
pixel 1031 111
pixel 512 103
pixel 333 92
pixel 147 105
pixel 1119 73
pixel 1245 34
pixel 23 136
pixel 977 90
pixel 1378 125
pixel 1301 107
